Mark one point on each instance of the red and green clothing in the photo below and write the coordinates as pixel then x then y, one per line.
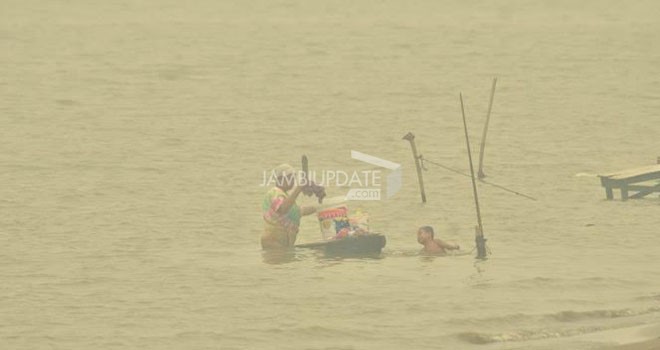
pixel 280 228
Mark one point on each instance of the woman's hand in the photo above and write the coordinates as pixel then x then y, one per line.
pixel 308 210
pixel 314 189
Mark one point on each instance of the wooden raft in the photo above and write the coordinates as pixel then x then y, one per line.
pixel 632 180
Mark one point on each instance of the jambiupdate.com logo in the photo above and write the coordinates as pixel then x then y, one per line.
pixel 363 185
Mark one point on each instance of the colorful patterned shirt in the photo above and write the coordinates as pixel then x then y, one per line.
pixel 277 226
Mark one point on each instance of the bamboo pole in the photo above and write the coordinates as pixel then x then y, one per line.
pixel 411 138
pixel 479 232
pixel 483 137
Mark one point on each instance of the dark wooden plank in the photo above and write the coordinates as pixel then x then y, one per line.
pixel 644 191
pixel 652 188
pixel 608 193
pixel 628 180
pixel 353 245
pixel 312 245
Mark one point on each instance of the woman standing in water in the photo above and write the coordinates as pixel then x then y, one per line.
pixel 280 212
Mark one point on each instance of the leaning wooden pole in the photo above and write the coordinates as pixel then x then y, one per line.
pixel 480 173
pixel 411 138
pixel 305 170
pixel 479 234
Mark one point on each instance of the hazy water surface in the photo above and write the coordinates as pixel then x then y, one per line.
pixel 134 137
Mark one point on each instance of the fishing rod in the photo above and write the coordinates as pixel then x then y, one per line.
pixel 425 160
pixel 480 173
pixel 479 234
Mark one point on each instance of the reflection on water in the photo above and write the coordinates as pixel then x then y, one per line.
pixel 280 256
pixel 285 256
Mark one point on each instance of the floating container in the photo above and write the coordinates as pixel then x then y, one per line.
pixel 333 220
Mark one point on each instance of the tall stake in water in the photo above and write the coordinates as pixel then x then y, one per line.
pixel 482 148
pixel 479 234
pixel 410 137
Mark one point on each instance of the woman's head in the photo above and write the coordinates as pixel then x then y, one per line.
pixel 286 176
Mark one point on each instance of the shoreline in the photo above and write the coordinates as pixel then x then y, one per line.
pixel 642 337
pixel 652 344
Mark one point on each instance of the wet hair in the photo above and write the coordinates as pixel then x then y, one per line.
pixel 428 229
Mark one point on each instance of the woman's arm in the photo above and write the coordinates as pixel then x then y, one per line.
pixel 289 201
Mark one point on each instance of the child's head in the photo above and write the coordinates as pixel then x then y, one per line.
pixel 424 234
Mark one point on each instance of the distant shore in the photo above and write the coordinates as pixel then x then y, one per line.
pixel 644 337
pixel 645 345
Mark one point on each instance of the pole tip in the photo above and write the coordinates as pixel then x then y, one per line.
pixel 409 136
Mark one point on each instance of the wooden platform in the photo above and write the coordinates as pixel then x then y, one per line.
pixel 632 180
pixel 359 245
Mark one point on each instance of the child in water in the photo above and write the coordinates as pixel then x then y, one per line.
pixel 431 245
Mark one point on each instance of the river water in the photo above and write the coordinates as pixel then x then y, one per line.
pixel 135 135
